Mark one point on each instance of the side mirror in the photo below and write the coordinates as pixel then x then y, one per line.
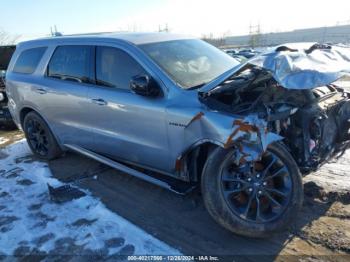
pixel 145 86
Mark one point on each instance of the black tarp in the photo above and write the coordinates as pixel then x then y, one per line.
pixel 6 53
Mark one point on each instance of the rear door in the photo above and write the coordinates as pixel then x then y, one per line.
pixel 126 126
pixel 65 93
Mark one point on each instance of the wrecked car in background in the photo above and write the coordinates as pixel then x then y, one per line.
pixel 248 53
pixel 235 55
pixel 5 57
pixel 177 112
pixel 241 55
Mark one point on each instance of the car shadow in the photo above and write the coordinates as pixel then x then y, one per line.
pixel 182 221
pixel 8 127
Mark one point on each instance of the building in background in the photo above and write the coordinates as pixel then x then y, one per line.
pixel 332 34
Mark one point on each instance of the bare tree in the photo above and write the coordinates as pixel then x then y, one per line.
pixel 7 38
pixel 215 41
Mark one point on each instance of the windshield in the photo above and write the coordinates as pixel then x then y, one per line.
pixel 190 63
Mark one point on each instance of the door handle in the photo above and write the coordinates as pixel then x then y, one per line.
pixel 40 91
pixel 99 101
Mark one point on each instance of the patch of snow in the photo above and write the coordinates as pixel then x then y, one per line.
pixel 3 140
pixel 29 219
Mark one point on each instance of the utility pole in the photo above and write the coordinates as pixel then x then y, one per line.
pixel 163 29
pixel 255 35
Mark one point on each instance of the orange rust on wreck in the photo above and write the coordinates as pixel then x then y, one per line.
pixel 178 165
pixel 245 127
pixel 241 126
pixel 229 139
pixel 242 160
pixel 196 117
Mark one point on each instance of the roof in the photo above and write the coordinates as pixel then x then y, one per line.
pixel 135 38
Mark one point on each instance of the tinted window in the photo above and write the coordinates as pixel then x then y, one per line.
pixel 115 68
pixel 72 63
pixel 28 60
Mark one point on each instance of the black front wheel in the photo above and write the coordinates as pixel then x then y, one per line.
pixel 40 138
pixel 253 199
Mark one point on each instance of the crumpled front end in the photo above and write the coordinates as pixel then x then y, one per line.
pixel 248 135
pixel 293 91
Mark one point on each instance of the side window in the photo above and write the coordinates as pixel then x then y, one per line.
pixel 71 63
pixel 115 68
pixel 28 60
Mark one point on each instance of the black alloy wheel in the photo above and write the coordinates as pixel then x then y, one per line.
pixel 37 137
pixel 257 192
pixel 253 199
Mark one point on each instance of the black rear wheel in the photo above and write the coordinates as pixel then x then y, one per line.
pixel 40 138
pixel 255 198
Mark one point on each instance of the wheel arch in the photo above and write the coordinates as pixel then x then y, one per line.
pixel 191 162
pixel 22 114
pixel 26 110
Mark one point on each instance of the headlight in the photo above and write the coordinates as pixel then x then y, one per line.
pixel 2 97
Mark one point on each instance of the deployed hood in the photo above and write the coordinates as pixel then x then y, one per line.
pixel 6 53
pixel 297 66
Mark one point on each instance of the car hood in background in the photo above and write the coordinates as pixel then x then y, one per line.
pixel 297 66
pixel 6 53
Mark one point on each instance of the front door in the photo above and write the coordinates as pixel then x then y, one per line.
pixel 126 126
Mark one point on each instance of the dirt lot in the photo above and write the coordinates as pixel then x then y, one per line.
pixel 322 227
pixel 7 137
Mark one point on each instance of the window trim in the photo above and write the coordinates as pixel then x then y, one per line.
pixel 91 70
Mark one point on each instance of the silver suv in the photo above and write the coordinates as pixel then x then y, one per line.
pixel 180 113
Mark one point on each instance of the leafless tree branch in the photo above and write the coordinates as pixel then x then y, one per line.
pixel 7 38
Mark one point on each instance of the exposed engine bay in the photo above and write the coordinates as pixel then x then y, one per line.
pixel 314 122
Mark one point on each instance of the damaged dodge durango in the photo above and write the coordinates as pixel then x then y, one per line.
pixel 177 112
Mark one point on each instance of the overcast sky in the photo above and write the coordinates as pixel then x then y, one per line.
pixel 33 18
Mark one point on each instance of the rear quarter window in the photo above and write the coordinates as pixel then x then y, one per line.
pixel 28 60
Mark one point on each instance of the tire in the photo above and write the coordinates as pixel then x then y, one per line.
pixel 225 189
pixel 40 138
